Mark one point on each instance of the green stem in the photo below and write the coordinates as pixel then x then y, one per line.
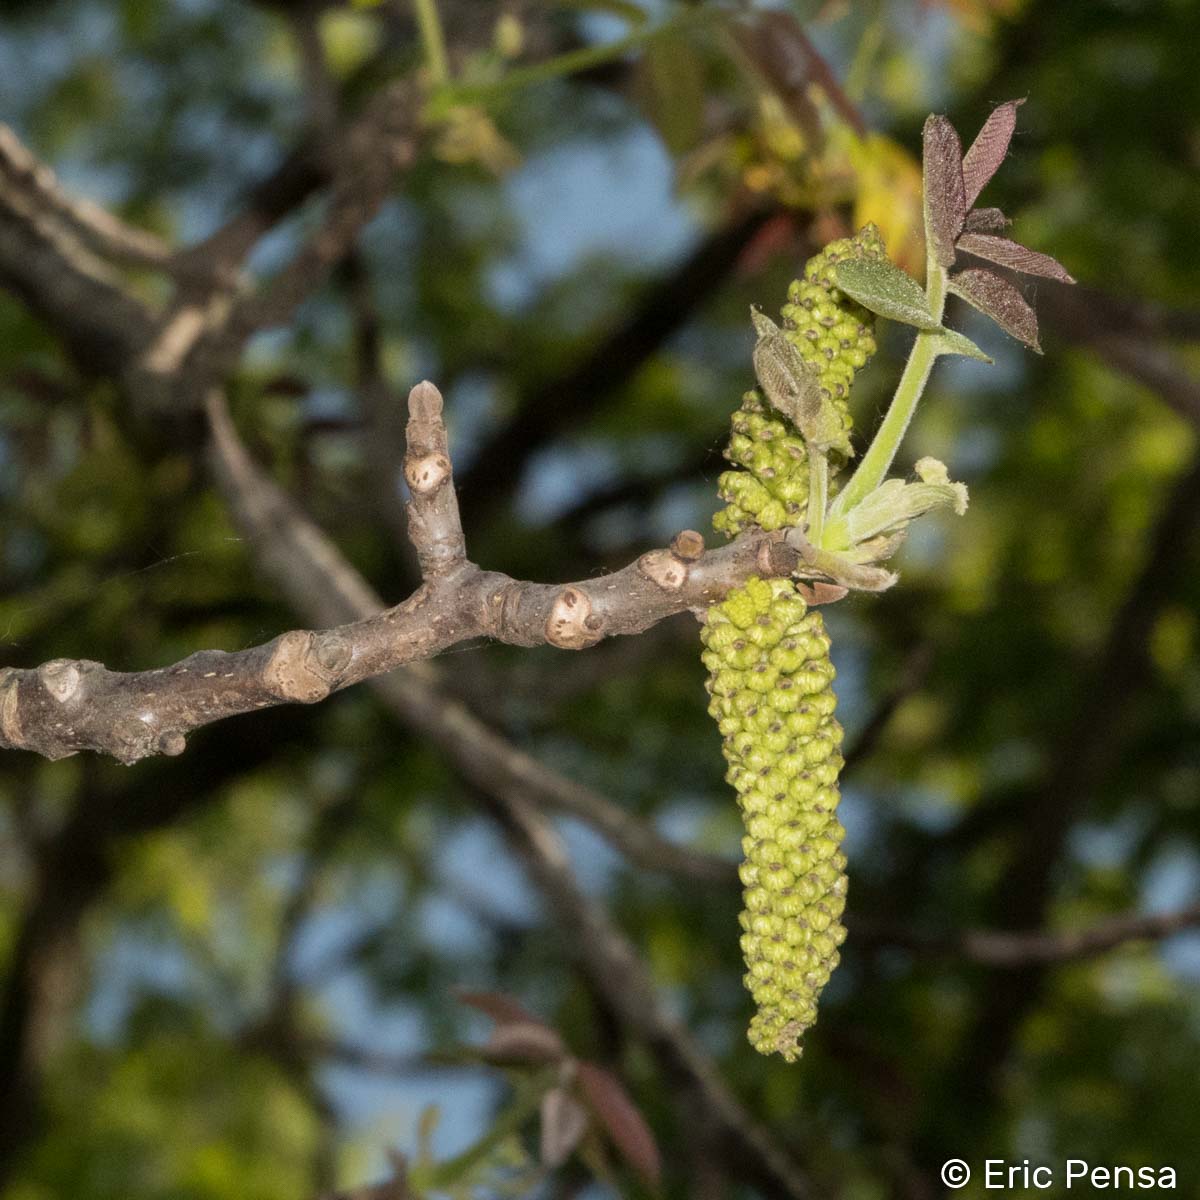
pixel 875 463
pixel 818 493
pixel 524 1106
pixel 432 40
pixel 570 63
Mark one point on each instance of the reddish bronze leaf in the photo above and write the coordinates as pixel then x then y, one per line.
pixel 989 148
pixel 1012 254
pixel 622 1121
pixel 945 198
pixel 524 1041
pixel 501 1008
pixel 985 220
pixel 998 299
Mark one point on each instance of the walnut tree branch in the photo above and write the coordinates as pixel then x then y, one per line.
pixel 1022 948
pixel 94 227
pixel 318 582
pixel 68 705
pixel 618 973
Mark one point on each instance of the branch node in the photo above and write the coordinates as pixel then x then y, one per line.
pixel 292 672
pixel 571 624
pixel 775 558
pixel 172 743
pixel 664 569
pixel 133 738
pixel 60 677
pixel 687 545
pixel 331 654
pixel 427 474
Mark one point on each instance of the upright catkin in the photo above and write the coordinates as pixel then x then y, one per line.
pixel 771 680
pixel 836 337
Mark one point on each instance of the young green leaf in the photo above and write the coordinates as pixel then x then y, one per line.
pixel 894 504
pixel 998 299
pixel 881 286
pixel 989 148
pixel 949 341
pixel 945 193
pixel 1008 253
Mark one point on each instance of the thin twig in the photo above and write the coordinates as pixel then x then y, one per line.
pixel 994 948
pixel 615 970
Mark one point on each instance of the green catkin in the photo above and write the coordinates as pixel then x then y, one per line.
pixel 836 337
pixel 771 680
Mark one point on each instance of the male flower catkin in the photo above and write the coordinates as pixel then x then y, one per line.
pixel 770 677
pixel 835 336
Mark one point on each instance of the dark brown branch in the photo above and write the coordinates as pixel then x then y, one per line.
pixel 49 260
pixel 93 227
pixel 379 143
pixel 993 948
pixel 1081 761
pixel 615 970
pixel 1127 337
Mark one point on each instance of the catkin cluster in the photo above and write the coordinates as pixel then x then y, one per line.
pixel 771 680
pixel 835 336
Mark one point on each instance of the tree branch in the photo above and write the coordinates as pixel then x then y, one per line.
pixel 315 578
pixel 616 971
pixel 69 705
pixel 1127 337
pixel 95 228
pixel 50 255
pixel 993 948
pixel 312 575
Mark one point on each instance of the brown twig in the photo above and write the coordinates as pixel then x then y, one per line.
pixel 69 705
pixel 95 228
pixel 993 948
pixel 615 970
pixel 316 579
pixel 51 262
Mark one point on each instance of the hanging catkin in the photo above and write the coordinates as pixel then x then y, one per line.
pixel 770 679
